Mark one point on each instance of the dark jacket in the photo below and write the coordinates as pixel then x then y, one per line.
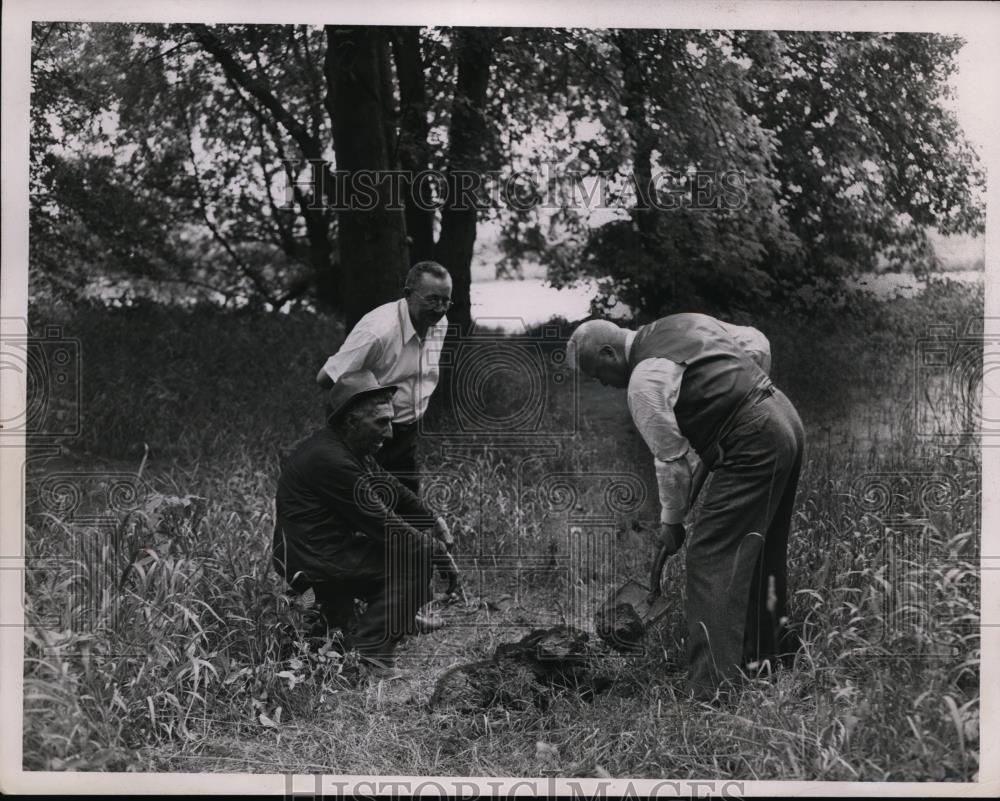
pixel 328 498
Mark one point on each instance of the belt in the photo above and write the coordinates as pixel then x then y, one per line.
pixel 760 392
pixel 405 427
pixel 765 389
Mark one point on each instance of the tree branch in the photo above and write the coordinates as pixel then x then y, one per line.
pixel 586 65
pixel 308 67
pixel 258 283
pixel 259 90
pixel 48 32
pixel 169 50
pixel 169 279
pixel 316 220
pixel 282 234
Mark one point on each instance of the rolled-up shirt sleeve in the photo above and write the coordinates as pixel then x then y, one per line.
pixel 652 392
pixel 360 351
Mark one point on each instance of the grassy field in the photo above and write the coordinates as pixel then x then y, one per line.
pixel 158 638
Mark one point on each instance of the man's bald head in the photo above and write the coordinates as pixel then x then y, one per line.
pixel 597 349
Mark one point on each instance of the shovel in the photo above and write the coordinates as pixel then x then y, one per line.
pixel 455 586
pixel 624 618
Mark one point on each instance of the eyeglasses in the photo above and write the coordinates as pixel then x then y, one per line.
pixel 435 300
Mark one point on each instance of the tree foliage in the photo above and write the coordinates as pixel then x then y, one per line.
pixel 160 165
pixel 844 148
pixel 678 166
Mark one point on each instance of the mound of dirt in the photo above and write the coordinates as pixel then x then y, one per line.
pixel 524 673
pixel 620 627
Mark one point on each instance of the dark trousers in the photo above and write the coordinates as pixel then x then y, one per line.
pixel 736 556
pixel 393 581
pixel 399 455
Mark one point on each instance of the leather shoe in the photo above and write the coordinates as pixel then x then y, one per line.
pixel 382 669
pixel 428 623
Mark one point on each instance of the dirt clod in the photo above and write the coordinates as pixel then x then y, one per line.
pixel 620 627
pixel 523 673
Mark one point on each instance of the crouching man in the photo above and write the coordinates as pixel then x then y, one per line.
pixel 349 529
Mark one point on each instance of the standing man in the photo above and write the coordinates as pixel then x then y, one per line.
pixel 699 394
pixel 348 529
pixel 400 343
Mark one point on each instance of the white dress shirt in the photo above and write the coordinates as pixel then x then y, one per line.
pixel 385 342
pixel 652 393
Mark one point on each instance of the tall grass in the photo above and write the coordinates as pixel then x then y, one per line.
pixel 158 638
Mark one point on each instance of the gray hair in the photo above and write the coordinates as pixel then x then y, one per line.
pixel 424 268
pixel 589 338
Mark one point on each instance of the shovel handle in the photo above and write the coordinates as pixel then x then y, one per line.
pixel 658 563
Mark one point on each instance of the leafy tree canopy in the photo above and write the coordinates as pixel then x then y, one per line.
pixel 678 166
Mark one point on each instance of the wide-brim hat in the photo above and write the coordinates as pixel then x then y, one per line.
pixel 351 386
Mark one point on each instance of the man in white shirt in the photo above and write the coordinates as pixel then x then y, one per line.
pixel 400 343
pixel 700 395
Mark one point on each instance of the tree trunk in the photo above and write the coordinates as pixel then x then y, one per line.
pixel 371 235
pixel 414 150
pixel 629 43
pixel 466 136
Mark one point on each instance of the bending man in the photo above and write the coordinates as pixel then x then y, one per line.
pixel 699 394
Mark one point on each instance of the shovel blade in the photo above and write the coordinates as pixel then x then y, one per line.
pixel 631 592
pixel 649 606
pixel 623 619
pixel 656 608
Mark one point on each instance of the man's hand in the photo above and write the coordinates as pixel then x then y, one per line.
pixel 445 565
pixel 671 536
pixel 439 554
pixel 443 534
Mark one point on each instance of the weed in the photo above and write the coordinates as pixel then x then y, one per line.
pixel 158 637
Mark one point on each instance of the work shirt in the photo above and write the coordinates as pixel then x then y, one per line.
pixel 328 496
pixel 653 389
pixel 385 342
